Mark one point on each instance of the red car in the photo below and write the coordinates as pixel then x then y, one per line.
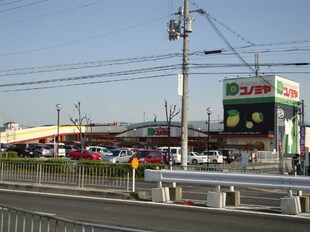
pixel 76 154
pixel 148 157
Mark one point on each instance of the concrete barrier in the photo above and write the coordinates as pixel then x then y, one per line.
pixel 160 194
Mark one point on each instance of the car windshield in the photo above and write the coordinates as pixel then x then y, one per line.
pixel 198 154
pixel 141 154
pixel 114 152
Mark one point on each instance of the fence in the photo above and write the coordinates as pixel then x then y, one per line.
pixel 257 167
pixel 68 173
pixel 267 156
pixel 15 219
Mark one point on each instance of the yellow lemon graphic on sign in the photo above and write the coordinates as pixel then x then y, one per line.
pixel 257 117
pixel 249 124
pixel 233 118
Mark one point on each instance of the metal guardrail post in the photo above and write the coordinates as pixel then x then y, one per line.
pixel 128 179
pixel 79 176
pixel 160 184
pixel 82 176
pixel 40 173
pixel 37 174
pixel 2 171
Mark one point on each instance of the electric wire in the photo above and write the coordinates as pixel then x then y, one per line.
pixel 83 65
pixel 8 3
pixel 50 14
pixel 202 11
pixel 83 39
pixel 90 83
pixel 93 64
pixel 22 6
pixel 111 74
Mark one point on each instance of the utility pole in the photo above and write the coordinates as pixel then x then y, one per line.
pixel 184 139
pixel 174 34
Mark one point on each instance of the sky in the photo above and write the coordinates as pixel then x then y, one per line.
pixel 115 57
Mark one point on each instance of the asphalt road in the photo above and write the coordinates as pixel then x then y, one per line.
pixel 152 216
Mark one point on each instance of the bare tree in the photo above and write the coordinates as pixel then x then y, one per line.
pixel 78 123
pixel 169 116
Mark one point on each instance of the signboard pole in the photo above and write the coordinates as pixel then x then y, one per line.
pixel 133 180
pixel 134 165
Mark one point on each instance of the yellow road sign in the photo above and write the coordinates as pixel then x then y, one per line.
pixel 135 163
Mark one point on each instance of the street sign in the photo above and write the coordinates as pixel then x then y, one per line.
pixel 135 163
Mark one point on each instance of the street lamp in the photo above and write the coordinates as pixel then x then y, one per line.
pixel 58 108
pixel 209 111
pixel 134 134
pixel 198 146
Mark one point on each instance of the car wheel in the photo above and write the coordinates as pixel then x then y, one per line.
pixel 215 161
pixel 71 157
pixel 194 162
pixel 89 158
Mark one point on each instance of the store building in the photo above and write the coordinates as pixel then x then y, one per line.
pixel 262 113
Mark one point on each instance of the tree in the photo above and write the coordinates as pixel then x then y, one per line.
pixel 169 116
pixel 81 121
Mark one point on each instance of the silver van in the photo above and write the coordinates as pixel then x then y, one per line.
pixel 61 149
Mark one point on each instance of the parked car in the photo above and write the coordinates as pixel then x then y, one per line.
pixel 42 150
pixel 68 148
pixel 148 157
pixel 25 150
pixel 86 154
pixel 197 158
pixel 228 155
pixel 61 149
pixel 3 147
pixel 214 156
pixel 101 150
pixel 175 153
pixel 118 156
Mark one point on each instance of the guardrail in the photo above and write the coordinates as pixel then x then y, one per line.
pixel 289 204
pixel 68 173
pixel 228 179
pixel 15 219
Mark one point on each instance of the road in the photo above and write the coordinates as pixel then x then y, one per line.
pixel 152 216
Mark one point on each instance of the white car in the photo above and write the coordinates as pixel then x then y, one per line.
pixel 214 156
pixel 197 158
pixel 118 156
pixel 101 150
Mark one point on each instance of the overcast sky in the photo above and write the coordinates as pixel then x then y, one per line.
pixel 115 58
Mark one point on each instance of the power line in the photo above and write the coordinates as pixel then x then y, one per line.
pixel 8 3
pixel 90 83
pixel 202 11
pixel 82 40
pixel 52 13
pixel 111 74
pixel 122 61
pixel 22 6
pixel 83 65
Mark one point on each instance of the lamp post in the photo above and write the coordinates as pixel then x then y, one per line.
pixel 134 134
pixel 198 146
pixel 58 108
pixel 209 111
